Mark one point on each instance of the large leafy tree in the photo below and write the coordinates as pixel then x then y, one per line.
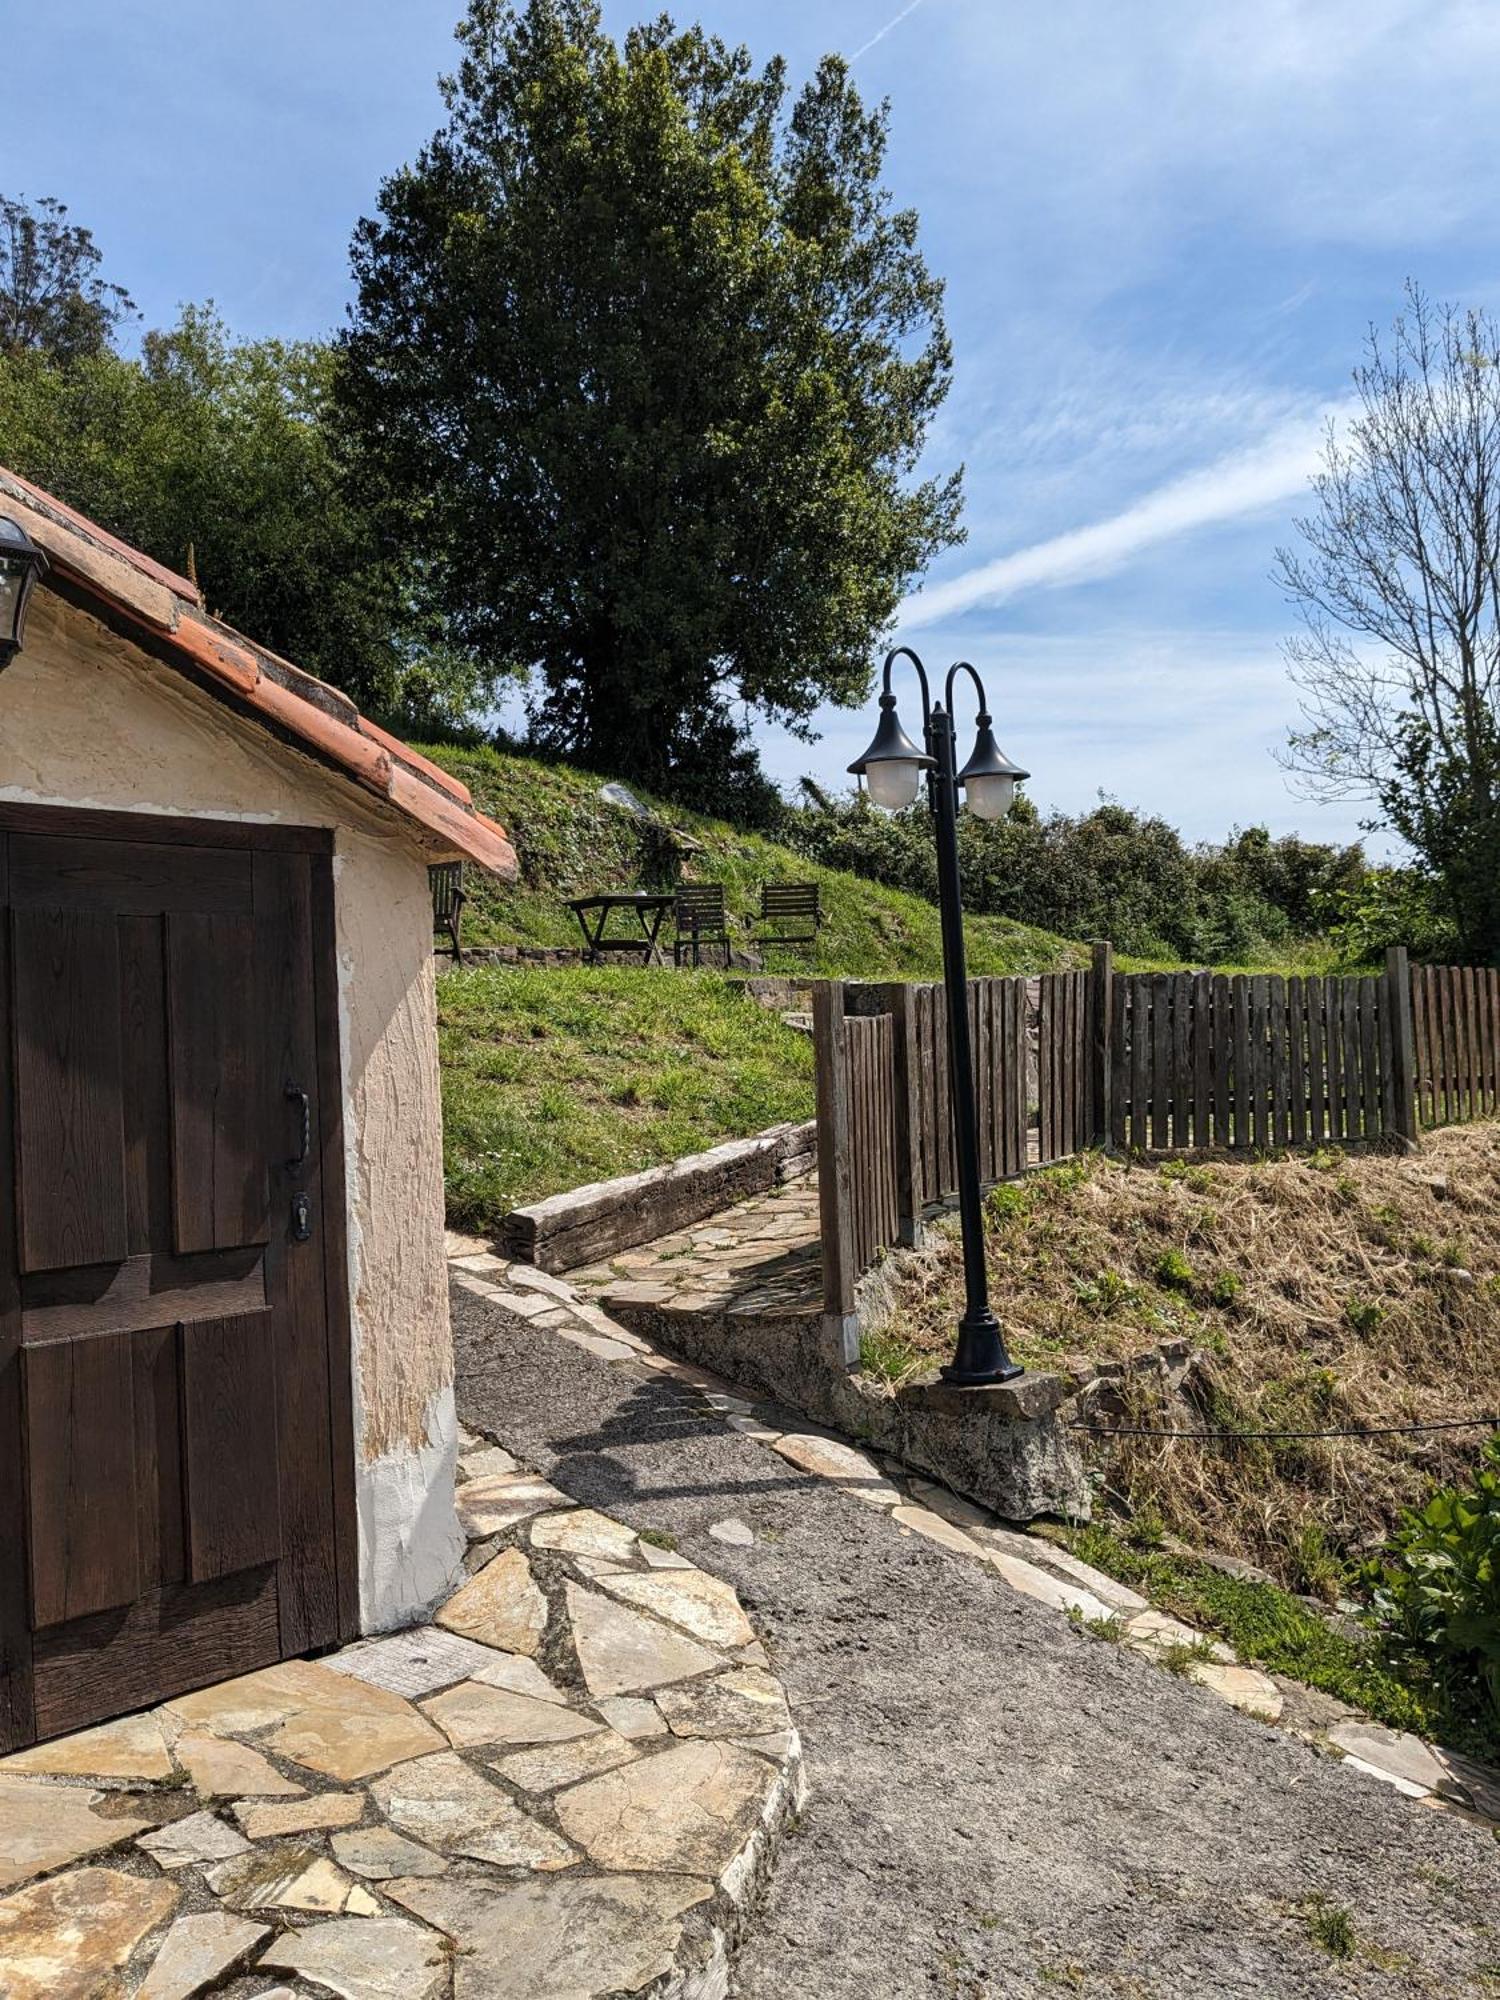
pixel 52 298
pixel 647 358
pixel 1397 579
pixel 217 455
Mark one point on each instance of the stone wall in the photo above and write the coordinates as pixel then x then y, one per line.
pixel 590 1224
pixel 1002 1447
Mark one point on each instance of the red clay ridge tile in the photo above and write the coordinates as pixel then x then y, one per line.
pixel 181 586
pixel 316 717
pixel 433 773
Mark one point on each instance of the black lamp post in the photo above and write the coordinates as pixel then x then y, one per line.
pixel 892 767
pixel 21 563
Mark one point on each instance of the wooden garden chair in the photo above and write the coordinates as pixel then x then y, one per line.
pixel 789 903
pixel 446 880
pixel 701 919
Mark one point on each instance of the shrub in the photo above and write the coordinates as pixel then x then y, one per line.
pixel 1436 1591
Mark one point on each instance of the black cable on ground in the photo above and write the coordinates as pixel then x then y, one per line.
pixel 1249 1437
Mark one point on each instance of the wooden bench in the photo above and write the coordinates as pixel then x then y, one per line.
pixel 701 919
pixel 783 903
pixel 446 880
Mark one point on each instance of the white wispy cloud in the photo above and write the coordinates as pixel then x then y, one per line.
pixel 881 33
pixel 1239 483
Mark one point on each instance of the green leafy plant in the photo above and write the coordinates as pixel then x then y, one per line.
pixel 1227 1289
pixel 1173 1271
pixel 1436 1591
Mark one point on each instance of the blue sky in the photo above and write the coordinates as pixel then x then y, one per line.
pixel 1164 228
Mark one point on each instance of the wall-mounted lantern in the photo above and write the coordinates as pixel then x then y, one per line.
pixel 21 563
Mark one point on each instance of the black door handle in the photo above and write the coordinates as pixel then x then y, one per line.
pixel 296 1096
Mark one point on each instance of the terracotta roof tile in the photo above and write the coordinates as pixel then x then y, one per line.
pixel 169 618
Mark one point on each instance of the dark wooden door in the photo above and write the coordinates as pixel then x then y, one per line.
pixel 175 1472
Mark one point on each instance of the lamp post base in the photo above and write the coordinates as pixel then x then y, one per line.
pixel 980 1356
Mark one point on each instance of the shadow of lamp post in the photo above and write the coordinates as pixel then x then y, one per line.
pixel 892 769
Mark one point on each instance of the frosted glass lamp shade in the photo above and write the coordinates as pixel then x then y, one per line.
pixel 991 797
pixel 892 767
pixel 893 784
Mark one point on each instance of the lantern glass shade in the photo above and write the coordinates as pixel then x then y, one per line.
pixel 892 767
pixel 990 797
pixel 21 563
pixel 894 783
pixel 989 778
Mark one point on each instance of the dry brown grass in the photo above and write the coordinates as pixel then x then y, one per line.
pixel 1322 1292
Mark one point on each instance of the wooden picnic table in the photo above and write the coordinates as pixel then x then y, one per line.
pixel 593 914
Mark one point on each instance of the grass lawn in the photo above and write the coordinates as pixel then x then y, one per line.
pixel 557 1076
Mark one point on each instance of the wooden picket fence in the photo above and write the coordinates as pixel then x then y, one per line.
pixel 1142 1063
pixel 1253 1062
pixel 886 1148
pixel 1456 1035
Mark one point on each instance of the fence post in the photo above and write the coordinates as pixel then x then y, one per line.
pixel 900 1002
pixel 1403 1044
pixel 831 1068
pixel 1101 1063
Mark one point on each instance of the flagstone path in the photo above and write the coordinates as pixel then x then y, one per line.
pixel 1001 1802
pixel 570 1784
pixel 762 1256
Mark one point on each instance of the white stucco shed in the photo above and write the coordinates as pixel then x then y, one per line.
pixel 229 865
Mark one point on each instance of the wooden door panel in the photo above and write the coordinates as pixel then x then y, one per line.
pixel 70 1136
pixel 217 1084
pixel 229 1444
pixel 161 1514
pixel 17 1712
pixel 175 1450
pixel 81 1477
pixel 142 1292
pixel 126 878
pixel 148 1144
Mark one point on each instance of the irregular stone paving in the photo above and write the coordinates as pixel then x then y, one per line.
pixel 570 1784
pixel 763 1256
pixel 720 1266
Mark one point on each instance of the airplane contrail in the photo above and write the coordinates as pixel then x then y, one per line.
pixel 910 8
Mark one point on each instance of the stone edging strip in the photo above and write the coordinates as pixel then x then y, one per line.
pixel 1028 1563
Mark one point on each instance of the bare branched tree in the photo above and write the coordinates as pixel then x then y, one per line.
pixel 1397 581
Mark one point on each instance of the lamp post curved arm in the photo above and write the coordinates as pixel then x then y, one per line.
pixel 967 667
pixel 906 653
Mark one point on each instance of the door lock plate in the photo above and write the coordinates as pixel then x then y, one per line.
pixel 301 1218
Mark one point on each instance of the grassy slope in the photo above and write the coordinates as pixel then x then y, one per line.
pixel 553 1077
pixel 1323 1291
pixel 571 842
